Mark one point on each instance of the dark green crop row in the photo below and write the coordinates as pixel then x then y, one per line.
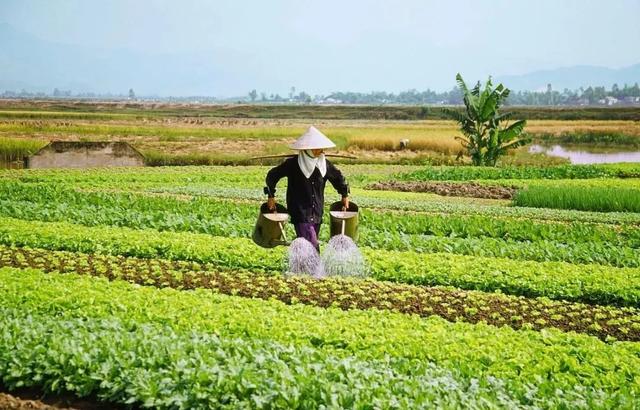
pixel 539 251
pixel 140 344
pixel 457 173
pixel 581 283
pixel 401 201
pixel 246 183
pixel 600 199
pixel 152 366
pixel 217 216
pixel 454 305
pixel 157 177
pixel 466 234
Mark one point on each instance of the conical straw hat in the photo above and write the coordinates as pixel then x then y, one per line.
pixel 312 139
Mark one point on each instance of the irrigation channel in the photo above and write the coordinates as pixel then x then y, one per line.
pixel 587 154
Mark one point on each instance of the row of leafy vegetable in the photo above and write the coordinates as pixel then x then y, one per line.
pixel 597 176
pixel 187 347
pixel 557 280
pixel 605 322
pixel 226 182
pixel 77 205
pixel 220 176
pixel 469 235
pixel 359 174
pixel 416 202
pixel 601 199
pixel 120 361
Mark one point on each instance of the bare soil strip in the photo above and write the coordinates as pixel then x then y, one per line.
pixel 470 189
pixel 8 401
pixel 33 398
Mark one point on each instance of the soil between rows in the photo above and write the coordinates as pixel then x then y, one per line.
pixel 8 401
pixel 36 399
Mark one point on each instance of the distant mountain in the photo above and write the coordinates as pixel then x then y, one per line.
pixel 37 65
pixel 572 78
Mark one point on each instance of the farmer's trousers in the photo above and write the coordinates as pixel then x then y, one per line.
pixel 309 231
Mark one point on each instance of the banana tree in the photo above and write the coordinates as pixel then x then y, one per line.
pixel 486 135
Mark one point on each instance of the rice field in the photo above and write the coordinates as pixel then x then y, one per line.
pixel 583 198
pixel 178 140
pixel 14 149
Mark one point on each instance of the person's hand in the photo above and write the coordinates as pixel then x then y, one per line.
pixel 271 204
pixel 345 203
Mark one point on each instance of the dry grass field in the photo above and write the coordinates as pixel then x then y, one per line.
pixel 183 139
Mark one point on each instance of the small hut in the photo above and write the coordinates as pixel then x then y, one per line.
pixel 85 154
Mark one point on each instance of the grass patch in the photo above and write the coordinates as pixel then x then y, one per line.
pixel 606 138
pixel 585 198
pixel 522 157
pixel 162 133
pixel 444 145
pixel 12 149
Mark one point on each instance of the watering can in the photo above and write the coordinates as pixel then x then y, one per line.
pixel 344 222
pixel 269 230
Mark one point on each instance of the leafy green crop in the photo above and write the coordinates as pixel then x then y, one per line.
pixel 535 367
pixel 541 305
pixel 462 234
pixel 600 199
pixel 540 251
pixel 587 283
pixel 498 309
pixel 429 203
pixel 122 361
pixel 246 183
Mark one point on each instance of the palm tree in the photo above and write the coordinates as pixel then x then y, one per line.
pixel 485 136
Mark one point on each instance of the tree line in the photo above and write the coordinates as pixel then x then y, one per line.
pixel 583 96
pixel 590 96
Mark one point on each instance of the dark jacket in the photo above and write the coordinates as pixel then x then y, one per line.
pixel 305 197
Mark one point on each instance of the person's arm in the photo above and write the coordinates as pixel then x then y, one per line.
pixel 273 176
pixel 339 183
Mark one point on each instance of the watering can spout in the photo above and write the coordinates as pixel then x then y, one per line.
pixel 270 227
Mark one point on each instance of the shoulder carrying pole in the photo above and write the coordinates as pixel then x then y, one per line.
pixel 294 155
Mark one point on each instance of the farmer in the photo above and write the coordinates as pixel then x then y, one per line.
pixel 307 175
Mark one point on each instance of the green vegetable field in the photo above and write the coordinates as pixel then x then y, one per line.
pixel 141 288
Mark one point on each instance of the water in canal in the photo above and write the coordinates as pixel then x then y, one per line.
pixel 588 155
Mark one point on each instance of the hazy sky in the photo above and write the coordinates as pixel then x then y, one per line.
pixel 328 45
